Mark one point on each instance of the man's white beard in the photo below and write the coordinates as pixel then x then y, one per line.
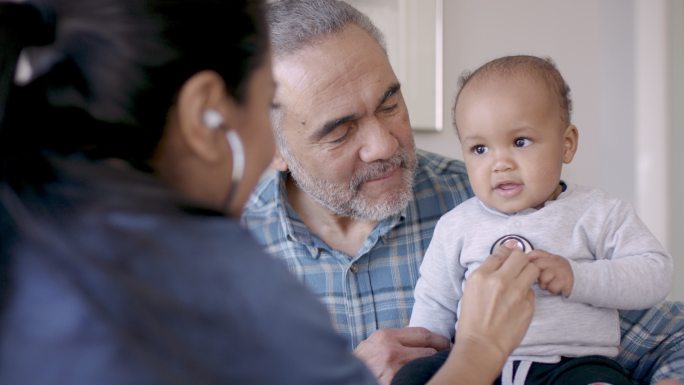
pixel 346 200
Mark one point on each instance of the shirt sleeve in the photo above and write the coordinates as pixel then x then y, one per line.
pixel 166 312
pixel 439 287
pixel 631 271
pixel 652 346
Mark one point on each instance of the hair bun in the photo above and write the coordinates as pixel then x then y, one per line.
pixel 24 25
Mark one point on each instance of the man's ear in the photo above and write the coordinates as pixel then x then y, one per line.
pixel 570 139
pixel 204 91
pixel 279 163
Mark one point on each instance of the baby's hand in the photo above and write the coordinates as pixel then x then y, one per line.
pixel 555 272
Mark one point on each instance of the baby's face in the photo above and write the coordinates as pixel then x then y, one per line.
pixel 514 141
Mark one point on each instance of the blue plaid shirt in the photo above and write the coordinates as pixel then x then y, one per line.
pixel 374 288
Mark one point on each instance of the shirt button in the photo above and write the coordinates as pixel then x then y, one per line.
pixel 354 268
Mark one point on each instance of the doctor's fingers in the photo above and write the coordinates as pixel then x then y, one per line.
pixel 494 262
pixel 518 265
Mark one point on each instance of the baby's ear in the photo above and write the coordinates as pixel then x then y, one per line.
pixel 570 139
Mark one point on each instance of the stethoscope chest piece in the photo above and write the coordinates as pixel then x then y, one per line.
pixel 520 242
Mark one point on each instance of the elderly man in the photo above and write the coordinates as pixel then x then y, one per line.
pixel 353 206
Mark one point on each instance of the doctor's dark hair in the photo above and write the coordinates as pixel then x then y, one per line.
pixel 100 76
pixel 527 65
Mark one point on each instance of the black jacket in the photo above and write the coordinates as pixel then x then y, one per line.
pixel 115 280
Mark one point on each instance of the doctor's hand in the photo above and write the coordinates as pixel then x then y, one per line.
pixel 496 310
pixel 498 301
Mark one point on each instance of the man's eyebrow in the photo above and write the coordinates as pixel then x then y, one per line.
pixel 391 91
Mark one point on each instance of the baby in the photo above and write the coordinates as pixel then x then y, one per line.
pixel 595 256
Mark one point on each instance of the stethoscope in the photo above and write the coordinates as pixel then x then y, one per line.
pixel 520 242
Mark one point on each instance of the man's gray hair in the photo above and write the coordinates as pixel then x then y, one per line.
pixel 295 24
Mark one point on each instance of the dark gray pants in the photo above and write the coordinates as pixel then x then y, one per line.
pixel 569 371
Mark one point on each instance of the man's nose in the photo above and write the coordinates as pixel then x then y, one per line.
pixel 378 142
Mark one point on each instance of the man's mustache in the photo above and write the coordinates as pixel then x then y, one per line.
pixel 378 168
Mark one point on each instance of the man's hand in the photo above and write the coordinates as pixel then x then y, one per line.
pixel 556 274
pixel 387 350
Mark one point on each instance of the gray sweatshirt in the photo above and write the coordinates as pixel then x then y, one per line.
pixel 616 262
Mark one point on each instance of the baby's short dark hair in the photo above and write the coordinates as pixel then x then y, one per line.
pixel 543 68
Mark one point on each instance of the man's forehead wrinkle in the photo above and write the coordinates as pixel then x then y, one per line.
pixel 338 96
pixel 330 82
pixel 304 79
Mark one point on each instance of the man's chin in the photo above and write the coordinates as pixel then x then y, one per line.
pixel 380 209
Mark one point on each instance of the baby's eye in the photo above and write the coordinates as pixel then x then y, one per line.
pixel 522 142
pixel 479 149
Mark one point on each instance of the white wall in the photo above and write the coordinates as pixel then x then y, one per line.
pixel 590 41
pixel 595 45
pixel 677 142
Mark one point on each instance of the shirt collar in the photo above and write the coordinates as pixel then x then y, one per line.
pixel 530 210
